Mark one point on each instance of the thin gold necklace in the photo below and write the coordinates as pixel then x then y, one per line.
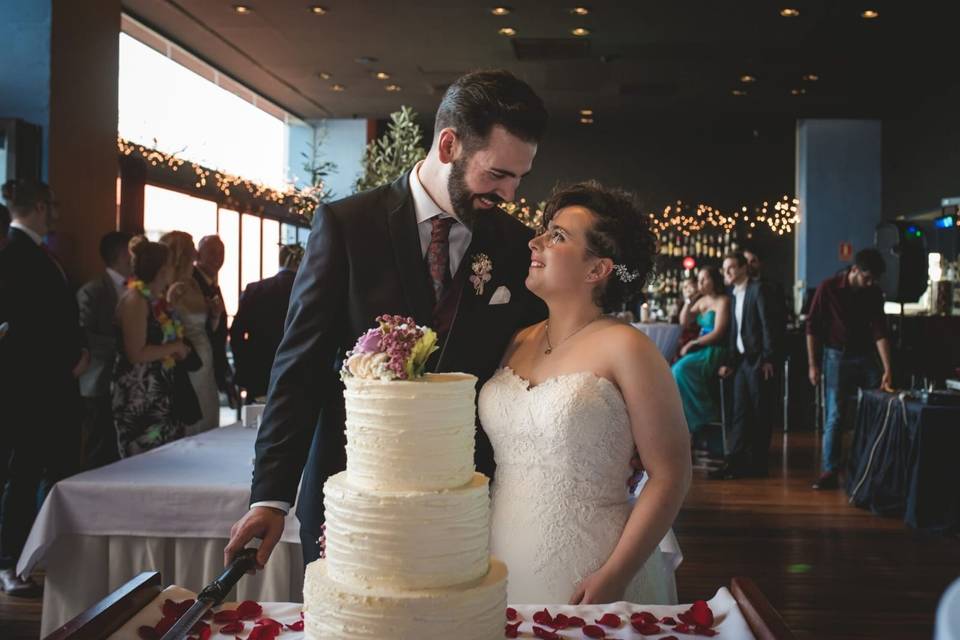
pixel 546 333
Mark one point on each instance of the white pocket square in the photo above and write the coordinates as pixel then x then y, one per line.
pixel 500 296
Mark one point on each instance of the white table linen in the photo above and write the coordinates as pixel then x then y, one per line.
pixel 665 335
pixel 169 509
pixel 729 621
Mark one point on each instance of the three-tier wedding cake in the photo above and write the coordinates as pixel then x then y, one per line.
pixel 408 522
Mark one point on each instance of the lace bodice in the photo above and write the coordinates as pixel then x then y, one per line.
pixel 560 498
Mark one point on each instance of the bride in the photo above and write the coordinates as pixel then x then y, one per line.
pixel 574 397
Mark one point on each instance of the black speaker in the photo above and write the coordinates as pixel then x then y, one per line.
pixel 903 247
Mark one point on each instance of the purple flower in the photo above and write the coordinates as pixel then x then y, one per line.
pixel 368 342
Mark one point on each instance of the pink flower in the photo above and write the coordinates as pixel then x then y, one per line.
pixel 368 342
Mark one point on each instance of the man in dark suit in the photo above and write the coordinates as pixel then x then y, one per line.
pixel 210 257
pixel 755 337
pixel 406 248
pixel 97 301
pixel 258 326
pixel 40 357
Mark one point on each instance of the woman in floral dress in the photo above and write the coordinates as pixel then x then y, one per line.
pixel 151 340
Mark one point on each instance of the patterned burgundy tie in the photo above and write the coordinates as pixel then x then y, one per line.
pixel 438 255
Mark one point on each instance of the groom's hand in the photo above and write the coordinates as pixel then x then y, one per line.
pixel 265 523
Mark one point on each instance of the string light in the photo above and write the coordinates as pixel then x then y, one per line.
pixel 300 202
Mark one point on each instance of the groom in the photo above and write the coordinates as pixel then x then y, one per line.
pixel 406 248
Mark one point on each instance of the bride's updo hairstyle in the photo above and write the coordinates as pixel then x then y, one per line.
pixel 620 232
pixel 147 258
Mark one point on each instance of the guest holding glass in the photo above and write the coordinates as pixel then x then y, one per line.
pixel 151 344
pixel 700 359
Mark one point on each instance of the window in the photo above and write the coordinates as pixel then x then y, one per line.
pixel 165 210
pixel 270 256
pixel 230 273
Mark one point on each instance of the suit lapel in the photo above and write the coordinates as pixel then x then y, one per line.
pixel 405 239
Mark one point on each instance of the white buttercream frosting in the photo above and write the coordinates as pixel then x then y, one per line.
pixel 407 539
pixel 415 435
pixel 472 611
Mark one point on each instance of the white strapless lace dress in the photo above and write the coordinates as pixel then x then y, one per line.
pixel 560 498
pixel 203 379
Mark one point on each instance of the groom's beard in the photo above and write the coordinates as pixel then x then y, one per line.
pixel 462 198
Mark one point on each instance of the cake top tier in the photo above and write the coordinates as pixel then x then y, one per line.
pixel 396 349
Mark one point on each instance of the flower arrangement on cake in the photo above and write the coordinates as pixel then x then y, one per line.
pixel 397 349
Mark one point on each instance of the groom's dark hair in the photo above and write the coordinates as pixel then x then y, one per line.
pixel 479 100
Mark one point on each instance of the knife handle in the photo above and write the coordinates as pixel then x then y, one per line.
pixel 218 589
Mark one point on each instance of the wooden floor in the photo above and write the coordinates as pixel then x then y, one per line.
pixel 833 571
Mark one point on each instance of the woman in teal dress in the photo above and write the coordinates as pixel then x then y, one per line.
pixel 696 370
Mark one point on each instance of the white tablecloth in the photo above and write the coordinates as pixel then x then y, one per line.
pixel 729 621
pixel 169 509
pixel 665 335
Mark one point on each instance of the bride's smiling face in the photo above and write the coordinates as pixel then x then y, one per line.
pixel 560 257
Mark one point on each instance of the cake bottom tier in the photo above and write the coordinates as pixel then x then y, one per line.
pixel 469 611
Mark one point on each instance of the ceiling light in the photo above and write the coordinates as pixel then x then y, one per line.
pixel 811 77
pixel 739 92
pixel 797 92
pixel 580 32
pixel 870 14
pixel 507 31
pixel 393 88
pixel 318 10
pixel 500 11
pixel 580 11
pixel 586 120
pixel 382 75
pixel 747 78
pixel 586 112
pixel 338 87
pixel 324 75
pixel 790 12
pixel 242 8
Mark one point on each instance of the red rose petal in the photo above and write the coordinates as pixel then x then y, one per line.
pixel 593 631
pixel 560 622
pixel 227 615
pixel 646 628
pixel 233 627
pixel 205 633
pixel 644 616
pixel 682 628
pixel 540 632
pixel 576 621
pixel 199 627
pixel 511 613
pixel 148 633
pixel 296 626
pixel 609 620
pixel 670 622
pixel 164 625
pixel 268 622
pixel 685 617
pixel 512 630
pixel 248 610
pixel 542 617
pixel 704 631
pixel 700 614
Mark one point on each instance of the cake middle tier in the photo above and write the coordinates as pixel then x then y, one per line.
pixel 407 539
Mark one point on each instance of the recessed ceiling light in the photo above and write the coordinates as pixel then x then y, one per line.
pixel 586 112
pixel 242 8
pixel 580 11
pixel 586 120
pixel 393 88
pixel 507 31
pixel 324 75
pixel 797 92
pixel 811 77
pixel 580 32
pixel 338 87
pixel 318 10
pixel 790 12
pixel 747 78
pixel 500 11
pixel 870 14
pixel 382 75
pixel 739 92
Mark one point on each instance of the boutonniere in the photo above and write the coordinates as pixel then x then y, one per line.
pixel 482 268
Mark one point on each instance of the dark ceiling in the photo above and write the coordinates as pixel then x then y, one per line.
pixel 666 57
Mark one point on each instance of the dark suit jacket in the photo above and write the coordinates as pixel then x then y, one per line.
pixel 257 329
pixel 363 259
pixel 44 342
pixel 218 337
pixel 97 301
pixel 762 330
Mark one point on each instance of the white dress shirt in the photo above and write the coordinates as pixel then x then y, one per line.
pixel 739 294
pixel 460 236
